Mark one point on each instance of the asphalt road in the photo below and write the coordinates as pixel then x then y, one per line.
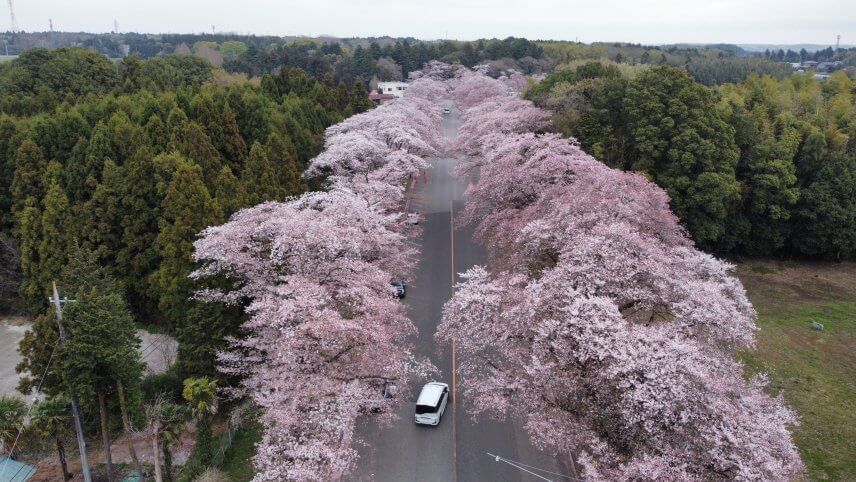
pixel 456 450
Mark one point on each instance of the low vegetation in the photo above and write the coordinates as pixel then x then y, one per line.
pixel 814 369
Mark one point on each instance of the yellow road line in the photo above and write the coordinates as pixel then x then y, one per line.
pixel 454 366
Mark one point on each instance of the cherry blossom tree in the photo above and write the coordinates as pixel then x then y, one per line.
pixel 374 153
pixel 325 335
pixel 488 112
pixel 434 69
pixel 325 338
pixel 599 324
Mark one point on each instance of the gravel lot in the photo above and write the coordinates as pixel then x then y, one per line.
pixel 158 351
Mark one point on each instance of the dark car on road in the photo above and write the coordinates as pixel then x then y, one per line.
pixel 400 288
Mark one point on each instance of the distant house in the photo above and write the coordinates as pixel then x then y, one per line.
pixel 829 66
pixel 380 99
pixel 394 88
pixel 809 64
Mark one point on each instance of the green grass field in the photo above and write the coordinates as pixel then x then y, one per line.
pixel 238 463
pixel 815 370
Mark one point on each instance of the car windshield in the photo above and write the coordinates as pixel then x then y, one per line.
pixel 423 409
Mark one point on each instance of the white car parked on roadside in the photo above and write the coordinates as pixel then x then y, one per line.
pixel 432 403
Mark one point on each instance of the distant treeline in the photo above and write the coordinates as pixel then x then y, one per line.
pixel 764 167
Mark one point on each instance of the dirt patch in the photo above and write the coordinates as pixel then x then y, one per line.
pixel 778 286
pixel 158 351
pixel 11 331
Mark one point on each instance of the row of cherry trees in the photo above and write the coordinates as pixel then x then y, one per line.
pixel 325 339
pixel 599 323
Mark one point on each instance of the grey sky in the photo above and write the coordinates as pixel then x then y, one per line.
pixel 653 21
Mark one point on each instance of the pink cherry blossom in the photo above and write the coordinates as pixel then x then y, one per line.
pixel 325 338
pixel 598 323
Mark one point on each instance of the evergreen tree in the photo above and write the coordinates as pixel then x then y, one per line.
pixel 27 178
pixel 359 99
pixel 234 148
pixel 101 347
pixel 194 144
pixel 229 192
pixel 283 156
pixel 157 134
pixel 76 172
pixel 37 349
pixel 187 208
pixel 100 149
pixel 682 142
pixel 207 114
pixel 8 142
pixel 826 222
pixel 102 229
pixel 125 137
pixel 54 240
pixel 260 179
pixel 28 232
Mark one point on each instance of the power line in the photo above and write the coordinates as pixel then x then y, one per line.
pixel 524 467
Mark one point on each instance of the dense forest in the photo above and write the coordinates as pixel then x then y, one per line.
pixel 130 161
pixel 764 167
pixel 108 172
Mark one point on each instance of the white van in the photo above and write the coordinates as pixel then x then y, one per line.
pixel 432 403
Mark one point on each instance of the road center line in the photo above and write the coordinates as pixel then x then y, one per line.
pixel 454 366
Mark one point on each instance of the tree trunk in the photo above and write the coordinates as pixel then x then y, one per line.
pixel 60 450
pixel 167 461
pixel 155 453
pixel 128 434
pixel 105 434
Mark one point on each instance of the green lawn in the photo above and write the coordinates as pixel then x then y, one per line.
pixel 815 370
pixel 238 462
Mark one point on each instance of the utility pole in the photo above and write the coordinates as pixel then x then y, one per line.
pixel 50 23
pixel 837 43
pixel 81 443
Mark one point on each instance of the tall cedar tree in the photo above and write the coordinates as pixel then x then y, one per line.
pixel 283 156
pixel 27 180
pixel 102 229
pixel 29 232
pixel 187 208
pixel 234 147
pixel 54 241
pixel 229 192
pixel 259 177
pixel 101 349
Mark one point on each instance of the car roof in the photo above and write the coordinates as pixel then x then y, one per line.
pixel 431 393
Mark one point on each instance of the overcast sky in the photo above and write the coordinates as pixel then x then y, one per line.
pixel 644 21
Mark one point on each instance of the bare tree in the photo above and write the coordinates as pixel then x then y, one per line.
pixel 387 69
pixel 164 421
